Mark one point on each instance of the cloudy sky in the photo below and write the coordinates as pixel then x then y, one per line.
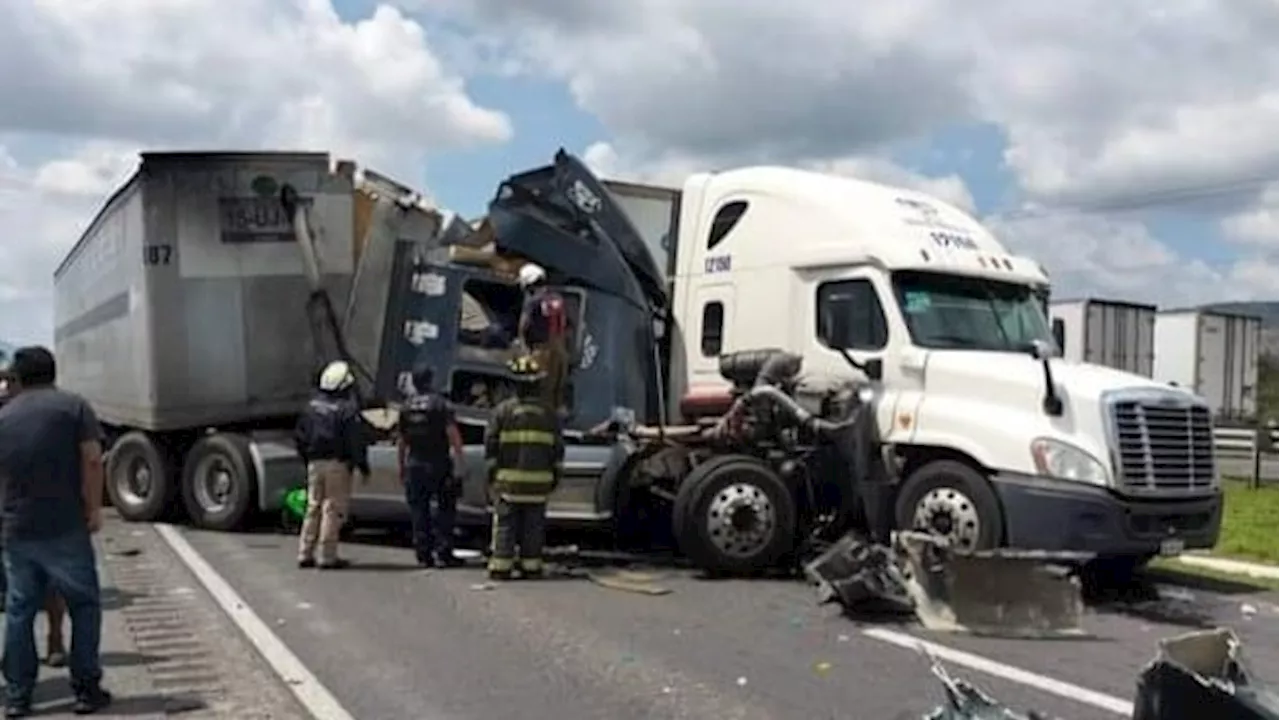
pixel 1130 145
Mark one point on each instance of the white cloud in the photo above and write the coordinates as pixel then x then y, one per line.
pixel 1098 99
pixel 1257 225
pixel 671 169
pixel 88 84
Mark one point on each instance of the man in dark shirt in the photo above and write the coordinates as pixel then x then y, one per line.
pixel 51 474
pixel 431 467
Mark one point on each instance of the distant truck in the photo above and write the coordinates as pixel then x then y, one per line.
pixel 180 317
pixel 1215 355
pixel 1116 334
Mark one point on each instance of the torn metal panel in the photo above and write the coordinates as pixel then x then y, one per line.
pixel 966 702
pixel 1201 675
pixel 1004 592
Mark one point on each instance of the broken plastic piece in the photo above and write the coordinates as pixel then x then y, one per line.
pixel 1201 675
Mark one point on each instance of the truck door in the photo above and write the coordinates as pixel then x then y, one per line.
pixel 711 338
pixel 421 326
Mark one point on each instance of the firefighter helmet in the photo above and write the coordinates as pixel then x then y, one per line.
pixel 526 368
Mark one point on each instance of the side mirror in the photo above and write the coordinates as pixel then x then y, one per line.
pixel 1060 334
pixel 874 368
pixel 1040 350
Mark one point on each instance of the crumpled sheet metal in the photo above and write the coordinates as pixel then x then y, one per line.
pixel 855 574
pixel 1004 593
pixel 967 702
pixel 1201 674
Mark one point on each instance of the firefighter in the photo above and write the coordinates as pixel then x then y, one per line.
pixel 331 440
pixel 523 450
pixel 543 330
pixel 431 467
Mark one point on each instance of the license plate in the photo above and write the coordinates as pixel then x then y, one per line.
pixel 255 220
pixel 1172 546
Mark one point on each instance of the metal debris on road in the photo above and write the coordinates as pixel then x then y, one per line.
pixel 126 552
pixel 1004 593
pixel 483 586
pixel 1248 610
pixel 822 667
pixel 966 702
pixel 742 682
pixel 1202 675
pixel 628 581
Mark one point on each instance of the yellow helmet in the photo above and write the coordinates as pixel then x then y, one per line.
pixel 526 368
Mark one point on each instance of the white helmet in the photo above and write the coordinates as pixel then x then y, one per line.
pixel 531 274
pixel 336 377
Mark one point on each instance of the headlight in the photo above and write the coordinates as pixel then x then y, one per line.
pixel 1054 458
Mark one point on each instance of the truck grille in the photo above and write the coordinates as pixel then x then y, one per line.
pixel 1162 447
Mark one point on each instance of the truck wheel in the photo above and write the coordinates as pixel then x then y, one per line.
pixel 138 481
pixel 949 498
pixel 219 481
pixel 734 515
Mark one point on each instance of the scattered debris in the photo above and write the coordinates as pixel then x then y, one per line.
pixel 1007 593
pixel 483 586
pixel 1248 610
pixel 628 581
pixel 966 702
pixel 742 682
pixel 126 552
pixel 822 667
pixel 1201 675
pixel 1176 594
pixel 467 554
pixel 305 606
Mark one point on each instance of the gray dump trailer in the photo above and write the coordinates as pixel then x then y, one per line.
pixel 181 315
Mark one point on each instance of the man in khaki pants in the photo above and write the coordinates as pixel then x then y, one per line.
pixel 331 440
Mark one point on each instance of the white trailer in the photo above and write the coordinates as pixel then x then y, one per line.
pixel 1112 333
pixel 1212 353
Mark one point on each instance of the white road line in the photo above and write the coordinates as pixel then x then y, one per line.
pixel 313 695
pixel 1060 688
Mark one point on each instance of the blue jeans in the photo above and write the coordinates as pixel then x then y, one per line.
pixel 67 564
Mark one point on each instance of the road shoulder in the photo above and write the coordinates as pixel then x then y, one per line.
pixel 167 648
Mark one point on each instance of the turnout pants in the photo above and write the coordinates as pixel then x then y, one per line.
pixel 432 532
pixel 519 529
pixel 328 494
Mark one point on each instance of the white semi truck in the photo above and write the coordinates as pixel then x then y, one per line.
pixel 990 439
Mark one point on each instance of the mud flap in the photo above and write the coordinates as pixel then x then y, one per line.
pixel 1201 675
pixel 1007 593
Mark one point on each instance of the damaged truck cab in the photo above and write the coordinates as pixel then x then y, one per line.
pixel 995 441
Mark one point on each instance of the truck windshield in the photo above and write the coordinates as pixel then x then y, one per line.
pixel 959 312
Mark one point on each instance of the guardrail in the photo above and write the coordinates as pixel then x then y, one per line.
pixel 1247 452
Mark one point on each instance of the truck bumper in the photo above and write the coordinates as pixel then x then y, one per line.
pixel 1052 514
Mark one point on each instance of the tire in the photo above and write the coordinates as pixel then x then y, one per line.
pixel 139 482
pixel 219 482
pixel 710 492
pixel 946 497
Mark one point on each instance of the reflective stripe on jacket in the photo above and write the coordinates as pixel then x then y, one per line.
pixel 525 447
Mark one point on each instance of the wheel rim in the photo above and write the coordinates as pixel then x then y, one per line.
pixel 741 520
pixel 949 512
pixel 136 482
pixel 214 480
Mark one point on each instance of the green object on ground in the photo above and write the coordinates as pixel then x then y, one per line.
pixel 295 503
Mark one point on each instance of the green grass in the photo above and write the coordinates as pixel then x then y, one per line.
pixel 1249 523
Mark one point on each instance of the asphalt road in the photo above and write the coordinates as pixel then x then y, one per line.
pixel 391 642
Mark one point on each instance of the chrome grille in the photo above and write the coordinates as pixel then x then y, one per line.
pixel 1161 446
